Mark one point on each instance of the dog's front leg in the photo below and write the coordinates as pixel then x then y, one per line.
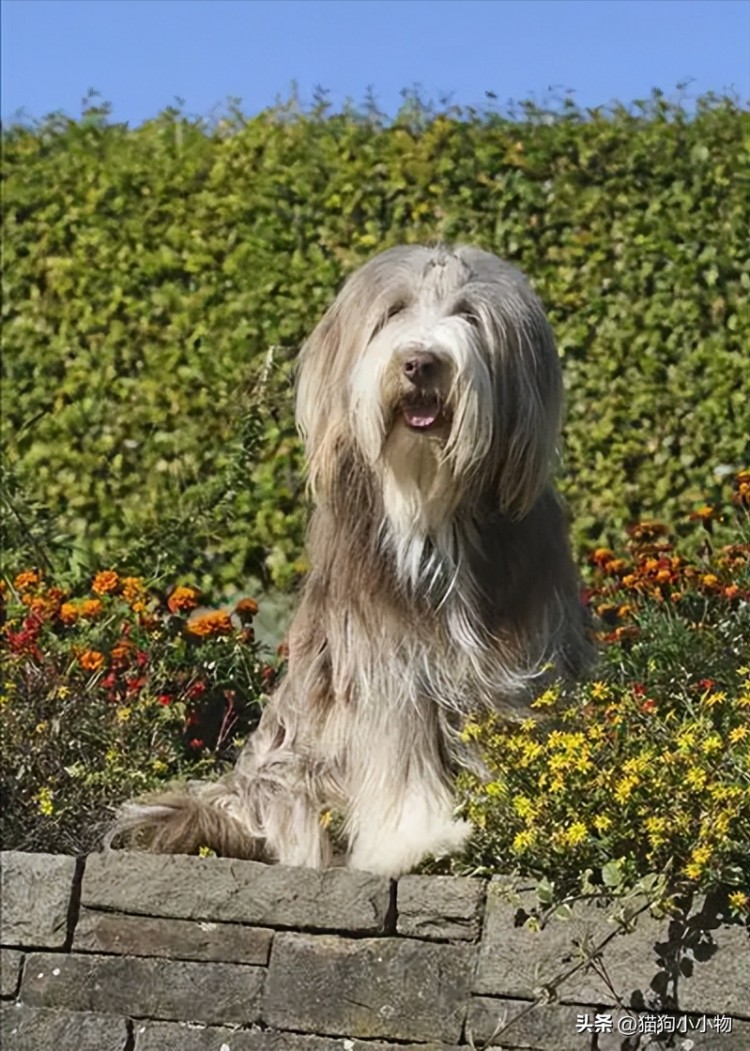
pixel 401 805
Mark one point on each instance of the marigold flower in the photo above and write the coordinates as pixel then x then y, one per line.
pixel 182 600
pixel 105 582
pixel 91 660
pixel 616 567
pixel 246 609
pixel 132 589
pixel 215 622
pixel 90 608
pixel 647 530
pixel 600 556
pixel 122 652
pixel 68 613
pixel 703 514
pixel 28 579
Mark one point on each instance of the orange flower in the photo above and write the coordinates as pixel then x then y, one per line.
pixel 615 566
pixel 105 582
pixel 648 530
pixel 68 613
pixel 122 652
pixel 182 600
pixel 30 578
pixel 90 608
pixel 246 609
pixel 601 556
pixel 132 589
pixel 215 622
pixel 91 660
pixel 703 514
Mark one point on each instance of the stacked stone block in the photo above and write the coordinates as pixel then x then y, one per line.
pixel 134 952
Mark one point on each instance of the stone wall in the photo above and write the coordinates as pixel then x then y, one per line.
pixel 132 952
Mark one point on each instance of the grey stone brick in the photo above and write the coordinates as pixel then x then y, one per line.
pixel 39 1029
pixel 396 989
pixel 556 1027
pixel 224 889
pixel 128 935
pixel 10 971
pixel 36 892
pixel 714 974
pixel 161 1036
pixel 515 961
pixel 144 988
pixel 440 907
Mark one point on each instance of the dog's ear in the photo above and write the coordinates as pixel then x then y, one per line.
pixel 529 395
pixel 323 392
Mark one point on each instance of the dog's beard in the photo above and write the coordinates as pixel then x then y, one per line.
pixel 426 441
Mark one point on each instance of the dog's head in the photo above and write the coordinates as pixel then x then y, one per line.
pixel 441 356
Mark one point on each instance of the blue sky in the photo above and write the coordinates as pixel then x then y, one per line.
pixel 142 54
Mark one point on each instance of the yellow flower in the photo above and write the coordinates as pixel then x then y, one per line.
pixel 206 852
pixel 739 733
pixel 701 854
pixel 546 699
pixel 624 788
pixel 599 691
pixel 739 901
pixel 576 833
pixel 712 743
pixel 602 823
pixel 656 827
pixel 523 840
pixel 123 714
pixel 524 807
pixel 696 778
pixel 45 802
pixel 41 727
pixel 471 731
pixel 712 699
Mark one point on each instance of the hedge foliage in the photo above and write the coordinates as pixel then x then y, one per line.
pixel 159 280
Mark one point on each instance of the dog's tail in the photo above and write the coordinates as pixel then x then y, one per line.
pixel 186 821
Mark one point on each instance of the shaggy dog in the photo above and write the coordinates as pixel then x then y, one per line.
pixel 442 585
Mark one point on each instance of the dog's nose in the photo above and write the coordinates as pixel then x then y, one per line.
pixel 420 366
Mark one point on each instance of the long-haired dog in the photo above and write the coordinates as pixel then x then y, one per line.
pixel 429 398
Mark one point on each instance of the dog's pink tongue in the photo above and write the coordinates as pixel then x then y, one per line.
pixel 420 416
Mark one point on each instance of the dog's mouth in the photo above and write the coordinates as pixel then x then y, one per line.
pixel 425 413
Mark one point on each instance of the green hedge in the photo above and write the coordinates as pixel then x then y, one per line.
pixel 149 272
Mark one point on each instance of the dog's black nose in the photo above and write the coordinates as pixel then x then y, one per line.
pixel 420 366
